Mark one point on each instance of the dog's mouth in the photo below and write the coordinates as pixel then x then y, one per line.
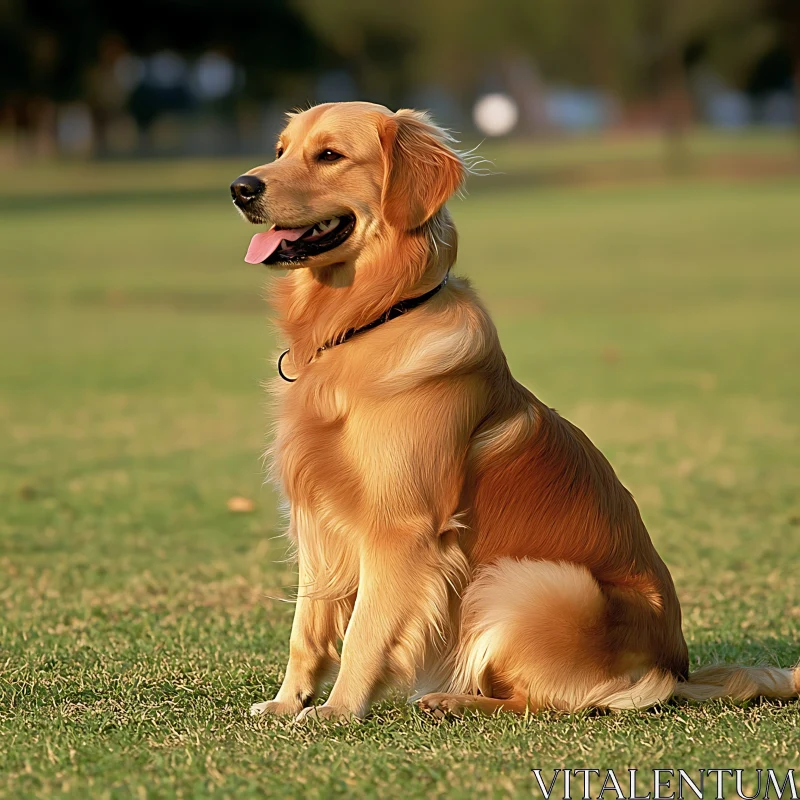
pixel 291 245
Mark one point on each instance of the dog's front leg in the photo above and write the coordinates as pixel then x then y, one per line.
pixel 402 600
pixel 312 648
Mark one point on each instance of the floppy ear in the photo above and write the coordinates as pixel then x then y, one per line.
pixel 421 171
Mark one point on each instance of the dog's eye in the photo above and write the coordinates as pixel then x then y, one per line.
pixel 329 155
pixel 279 152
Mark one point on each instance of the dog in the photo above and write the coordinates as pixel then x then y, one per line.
pixel 456 535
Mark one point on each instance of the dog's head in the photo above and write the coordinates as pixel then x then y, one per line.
pixel 347 177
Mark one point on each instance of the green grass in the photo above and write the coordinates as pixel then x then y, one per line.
pixel 139 618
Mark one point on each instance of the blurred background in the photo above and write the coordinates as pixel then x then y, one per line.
pixel 191 77
pixel 636 241
pixel 635 237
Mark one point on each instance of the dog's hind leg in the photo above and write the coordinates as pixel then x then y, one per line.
pixel 541 634
pixel 439 704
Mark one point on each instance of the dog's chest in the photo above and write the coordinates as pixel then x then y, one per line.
pixel 311 457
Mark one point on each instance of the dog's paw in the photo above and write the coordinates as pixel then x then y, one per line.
pixel 439 705
pixel 274 707
pixel 325 713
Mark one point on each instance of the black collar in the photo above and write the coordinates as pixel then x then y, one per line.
pixel 395 311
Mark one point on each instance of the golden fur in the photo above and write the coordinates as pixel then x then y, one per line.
pixel 455 533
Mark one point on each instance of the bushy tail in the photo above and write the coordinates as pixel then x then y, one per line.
pixel 622 694
pixel 716 681
pixel 739 683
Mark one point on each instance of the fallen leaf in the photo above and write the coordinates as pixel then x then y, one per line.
pixel 611 355
pixel 241 505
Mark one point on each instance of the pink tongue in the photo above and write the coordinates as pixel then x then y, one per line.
pixel 263 245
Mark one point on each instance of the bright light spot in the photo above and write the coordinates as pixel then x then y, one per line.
pixel 214 76
pixel 167 69
pixel 495 114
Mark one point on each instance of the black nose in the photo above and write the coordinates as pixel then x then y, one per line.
pixel 246 188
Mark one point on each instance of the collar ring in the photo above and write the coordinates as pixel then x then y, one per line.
pixel 280 368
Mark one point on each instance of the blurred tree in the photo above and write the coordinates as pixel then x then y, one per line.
pixel 673 30
pixel 49 47
pixel 633 49
pixel 640 51
pixel 375 41
pixel 394 46
pixel 787 15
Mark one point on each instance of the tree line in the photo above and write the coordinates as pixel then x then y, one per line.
pixel 636 50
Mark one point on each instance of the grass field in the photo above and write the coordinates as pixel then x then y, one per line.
pixel 139 618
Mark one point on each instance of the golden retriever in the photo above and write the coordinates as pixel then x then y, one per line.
pixel 459 537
